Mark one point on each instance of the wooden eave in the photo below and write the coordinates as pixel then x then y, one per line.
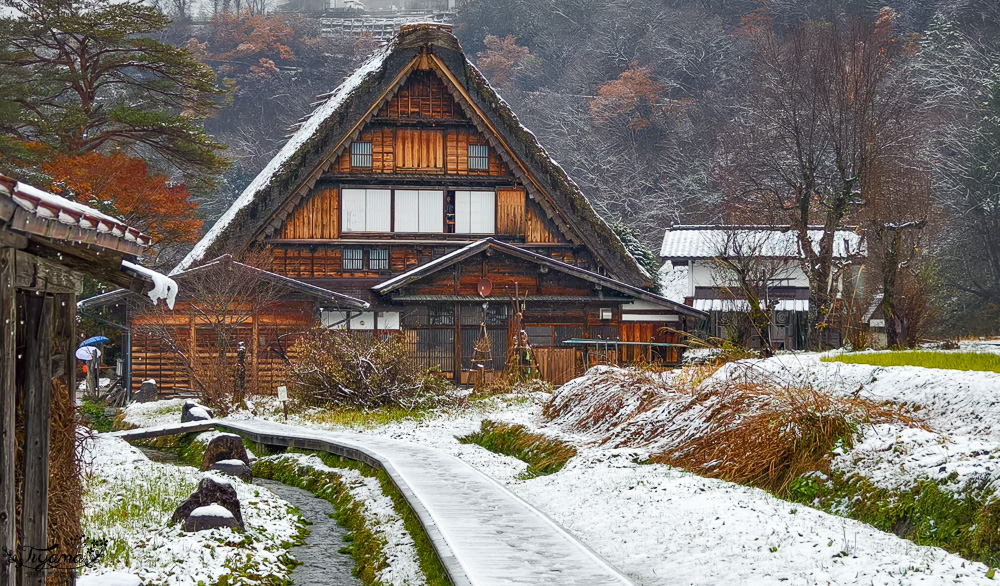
pixel 418 273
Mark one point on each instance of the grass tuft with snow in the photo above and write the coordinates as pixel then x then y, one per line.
pixel 129 501
pixel 542 454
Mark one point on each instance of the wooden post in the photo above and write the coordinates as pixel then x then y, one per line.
pixel 255 332
pixel 8 355
pixel 37 395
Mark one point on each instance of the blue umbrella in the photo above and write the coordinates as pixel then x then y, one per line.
pixel 93 341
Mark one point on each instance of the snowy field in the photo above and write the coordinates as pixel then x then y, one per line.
pixel 960 408
pixel 129 500
pixel 662 525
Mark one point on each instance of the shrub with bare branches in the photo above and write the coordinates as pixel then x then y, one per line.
pixel 340 369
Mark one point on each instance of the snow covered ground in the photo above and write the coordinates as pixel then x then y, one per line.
pixel 662 525
pixel 960 408
pixel 129 500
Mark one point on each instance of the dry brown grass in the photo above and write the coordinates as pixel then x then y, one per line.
pixel 65 488
pixel 745 428
pixel 767 436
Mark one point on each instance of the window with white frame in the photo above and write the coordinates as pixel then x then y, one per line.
pixel 478 157
pixel 361 154
pixel 419 211
pixel 366 210
pixel 475 212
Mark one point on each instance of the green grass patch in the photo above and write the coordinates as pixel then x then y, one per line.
pixel 964 520
pixel 978 361
pixel 430 563
pixel 117 510
pixel 362 543
pixel 543 455
pixel 94 417
pixel 361 418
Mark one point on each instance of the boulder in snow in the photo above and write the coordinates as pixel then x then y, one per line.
pixel 210 491
pixel 225 446
pixel 237 468
pixel 211 517
pixel 146 393
pixel 192 411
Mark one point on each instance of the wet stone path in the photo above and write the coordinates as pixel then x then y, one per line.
pixel 322 562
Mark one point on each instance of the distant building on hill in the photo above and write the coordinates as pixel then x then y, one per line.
pixel 703 266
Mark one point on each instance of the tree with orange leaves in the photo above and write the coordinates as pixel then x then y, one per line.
pixel 633 98
pixel 252 40
pixel 124 187
pixel 502 59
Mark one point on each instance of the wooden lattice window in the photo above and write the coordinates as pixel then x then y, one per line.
pixel 361 154
pixel 478 158
pixel 378 259
pixel 353 259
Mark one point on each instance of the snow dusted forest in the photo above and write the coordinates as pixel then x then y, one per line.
pixel 883 117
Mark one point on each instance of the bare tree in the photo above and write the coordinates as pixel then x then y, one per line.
pixel 222 298
pixel 749 263
pixel 801 140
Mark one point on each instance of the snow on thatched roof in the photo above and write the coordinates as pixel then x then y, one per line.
pixel 334 123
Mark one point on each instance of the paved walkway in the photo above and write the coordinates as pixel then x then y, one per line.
pixel 483 533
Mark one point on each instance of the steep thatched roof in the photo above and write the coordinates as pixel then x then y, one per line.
pixel 325 134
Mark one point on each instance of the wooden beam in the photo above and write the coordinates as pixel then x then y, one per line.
pixel 36 274
pixel 105 266
pixel 37 399
pixel 8 356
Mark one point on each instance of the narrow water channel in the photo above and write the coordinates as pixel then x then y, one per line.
pixel 322 562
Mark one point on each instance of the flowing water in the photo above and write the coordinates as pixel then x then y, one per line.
pixel 322 562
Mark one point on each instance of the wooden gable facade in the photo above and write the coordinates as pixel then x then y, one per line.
pixel 414 189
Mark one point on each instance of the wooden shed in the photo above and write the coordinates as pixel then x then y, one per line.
pixel 47 245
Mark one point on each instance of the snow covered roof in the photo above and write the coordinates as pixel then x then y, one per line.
pixel 272 195
pixel 46 214
pixel 474 248
pixel 38 213
pixel 694 242
pixel 169 291
pixel 741 305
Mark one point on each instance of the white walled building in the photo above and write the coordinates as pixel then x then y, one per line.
pixel 692 273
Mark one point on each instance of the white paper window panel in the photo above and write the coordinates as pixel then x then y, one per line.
pixel 475 212
pixel 353 215
pixel 419 211
pixel 378 210
pixel 334 319
pixel 388 320
pixel 366 210
pixel 363 321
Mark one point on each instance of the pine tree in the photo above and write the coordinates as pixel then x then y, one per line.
pixel 86 75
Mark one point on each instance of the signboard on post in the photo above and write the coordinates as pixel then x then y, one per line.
pixel 283 397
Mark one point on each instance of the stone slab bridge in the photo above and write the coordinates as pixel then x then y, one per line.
pixel 483 534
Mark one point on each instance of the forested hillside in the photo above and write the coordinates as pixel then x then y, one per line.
pixel 879 115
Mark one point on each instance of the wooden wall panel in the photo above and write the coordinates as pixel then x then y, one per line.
pixel 316 217
pixel 423 95
pixel 510 212
pixel 420 150
pixel 538 228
